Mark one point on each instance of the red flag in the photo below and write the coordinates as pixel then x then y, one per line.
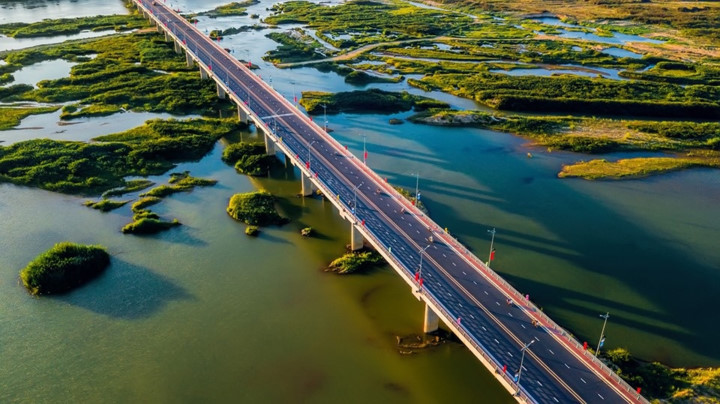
pixel 316 175
pixel 365 154
pixel 417 276
pixel 363 222
pixel 210 67
pixel 307 164
pixel 249 63
pixel 413 202
pixel 458 320
pixel 492 254
pixel 504 368
pixel 639 389
pixel 585 346
pixel 421 281
pixel 310 119
pixel 295 98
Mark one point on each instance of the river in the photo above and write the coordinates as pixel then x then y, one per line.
pixel 203 312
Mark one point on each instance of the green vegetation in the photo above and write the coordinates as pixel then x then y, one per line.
pixel 137 71
pixel 295 46
pixel 105 205
pixel 254 208
pixel 355 261
pixel 64 267
pixel 637 167
pixel 659 382
pixel 359 77
pixel 69 26
pixel 144 214
pixel 307 232
pixel 143 203
pixel 230 9
pixel 373 100
pixel 252 231
pixel 130 186
pixel 249 158
pixel 410 197
pixel 71 111
pixel 78 167
pixel 148 225
pixel 11 117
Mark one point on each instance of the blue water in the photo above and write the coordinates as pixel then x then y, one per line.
pixel 621 53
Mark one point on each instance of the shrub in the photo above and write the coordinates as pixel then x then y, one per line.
pixel 64 267
pixel 254 208
pixel 147 225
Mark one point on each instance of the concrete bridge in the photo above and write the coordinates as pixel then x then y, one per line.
pixel 533 358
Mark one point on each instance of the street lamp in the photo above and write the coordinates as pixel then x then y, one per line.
pixel 522 358
pixel 325 116
pixel 417 187
pixel 492 241
pixel 355 197
pixel 309 153
pixel 364 150
pixel 602 333
pixel 419 273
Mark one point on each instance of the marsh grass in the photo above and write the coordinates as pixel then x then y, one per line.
pixel 105 205
pixel 64 267
pixel 254 208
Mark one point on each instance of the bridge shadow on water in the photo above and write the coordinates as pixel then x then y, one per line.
pixel 126 291
pixel 678 290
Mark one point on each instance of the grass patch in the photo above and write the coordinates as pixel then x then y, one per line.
pixel 11 117
pixel 355 262
pixel 368 101
pixel 230 9
pixel 130 186
pixel 105 205
pixel 254 208
pixel 148 225
pixel 361 78
pixel 143 203
pixel 249 158
pixel 64 267
pixel 180 182
pixel 295 46
pixel 252 231
pixel 78 167
pixel 71 112
pixel 69 26
pixel 636 167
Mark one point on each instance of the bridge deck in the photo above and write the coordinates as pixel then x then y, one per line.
pixel 466 294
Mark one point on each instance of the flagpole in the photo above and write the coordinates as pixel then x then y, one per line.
pixel 602 333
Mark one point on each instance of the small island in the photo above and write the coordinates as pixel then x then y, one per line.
pixel 254 208
pixel 355 261
pixel 367 101
pixel 64 267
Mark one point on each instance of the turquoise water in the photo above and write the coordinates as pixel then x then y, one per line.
pixel 204 313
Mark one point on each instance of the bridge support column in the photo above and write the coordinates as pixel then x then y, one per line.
pixel 432 321
pixel 221 91
pixel 178 48
pixel 203 73
pixel 356 238
pixel 242 115
pixel 168 38
pixel 159 28
pixel 307 185
pixel 189 59
pixel 269 145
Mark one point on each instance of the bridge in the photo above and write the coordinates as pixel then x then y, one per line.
pixel 535 359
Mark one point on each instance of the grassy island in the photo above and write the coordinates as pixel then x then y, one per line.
pixel 69 26
pixel 11 117
pixel 254 208
pixel 355 261
pixel 249 158
pixel 64 267
pixel 79 167
pixel 149 225
pixel 637 167
pixel 130 186
pixel 227 10
pixel 369 101
pixel 105 205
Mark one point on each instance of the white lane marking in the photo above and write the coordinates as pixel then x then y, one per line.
pixel 464 273
pixel 556 400
pixel 444 255
pixel 485 291
pixel 510 314
pixel 566 365
pixel 483 327
pixel 600 396
pixel 495 339
pixel 453 264
pixel 551 351
pixel 538 382
pixel 472 317
pixel 511 355
pixel 498 303
pixel 538 339
pixel 522 326
pixel 475 282
pixel 583 380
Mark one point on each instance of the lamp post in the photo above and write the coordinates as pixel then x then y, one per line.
pixel 492 241
pixel 325 116
pixel 417 187
pixel 422 250
pixel 364 150
pixel 309 153
pixel 522 358
pixel 355 188
pixel 601 341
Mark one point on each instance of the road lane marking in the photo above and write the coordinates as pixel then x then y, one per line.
pixel 583 380
pixel 551 351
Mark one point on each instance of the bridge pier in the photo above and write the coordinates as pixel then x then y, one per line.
pixel 178 48
pixel 269 145
pixel 242 115
pixel 307 185
pixel 189 59
pixel 356 238
pixel 220 91
pixel 431 322
pixel 203 74
pixel 168 38
pixel 159 28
